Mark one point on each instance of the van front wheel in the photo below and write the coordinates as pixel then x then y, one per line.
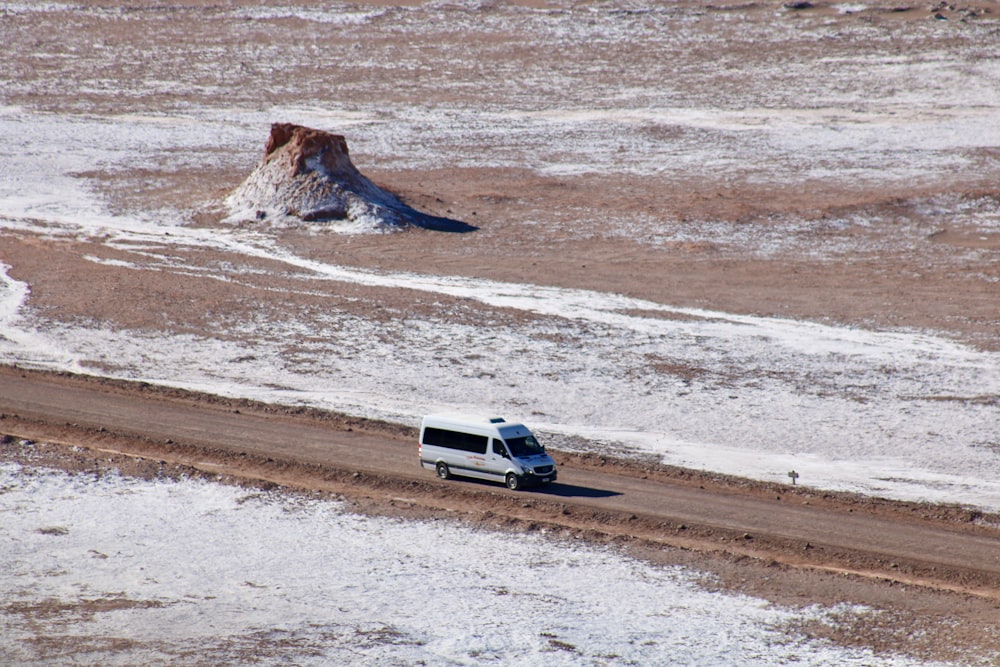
pixel 513 482
pixel 442 471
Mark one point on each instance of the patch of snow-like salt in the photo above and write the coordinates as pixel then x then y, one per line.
pixel 49 183
pixel 332 14
pixel 25 7
pixel 12 295
pixel 18 337
pixel 126 571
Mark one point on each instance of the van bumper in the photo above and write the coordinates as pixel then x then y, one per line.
pixel 533 478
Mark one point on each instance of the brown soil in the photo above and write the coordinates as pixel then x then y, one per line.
pixel 917 275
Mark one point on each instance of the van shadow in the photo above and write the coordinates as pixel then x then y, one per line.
pixel 551 489
pixel 573 491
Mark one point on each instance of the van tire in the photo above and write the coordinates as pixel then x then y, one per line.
pixel 513 482
pixel 442 470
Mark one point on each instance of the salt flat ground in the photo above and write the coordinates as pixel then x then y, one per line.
pixel 294 579
pixel 741 238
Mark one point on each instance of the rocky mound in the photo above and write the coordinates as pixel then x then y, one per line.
pixel 308 175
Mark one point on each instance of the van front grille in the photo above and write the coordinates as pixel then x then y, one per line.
pixel 543 470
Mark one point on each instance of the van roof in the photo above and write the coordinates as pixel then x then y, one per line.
pixel 467 418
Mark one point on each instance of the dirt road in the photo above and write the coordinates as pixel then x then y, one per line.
pixel 949 549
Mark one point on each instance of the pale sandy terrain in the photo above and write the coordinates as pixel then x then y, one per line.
pixel 835 165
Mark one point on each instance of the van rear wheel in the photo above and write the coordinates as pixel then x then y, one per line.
pixel 442 470
pixel 513 482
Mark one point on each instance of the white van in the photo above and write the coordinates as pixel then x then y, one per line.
pixel 485 448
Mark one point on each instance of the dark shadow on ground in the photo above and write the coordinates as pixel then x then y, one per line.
pixel 572 491
pixel 438 224
pixel 434 223
pixel 551 489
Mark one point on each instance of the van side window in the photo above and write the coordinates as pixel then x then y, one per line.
pixel 466 442
pixel 499 449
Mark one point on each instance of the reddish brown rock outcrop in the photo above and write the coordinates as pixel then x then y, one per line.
pixel 301 143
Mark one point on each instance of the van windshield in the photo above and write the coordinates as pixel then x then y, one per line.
pixel 526 446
